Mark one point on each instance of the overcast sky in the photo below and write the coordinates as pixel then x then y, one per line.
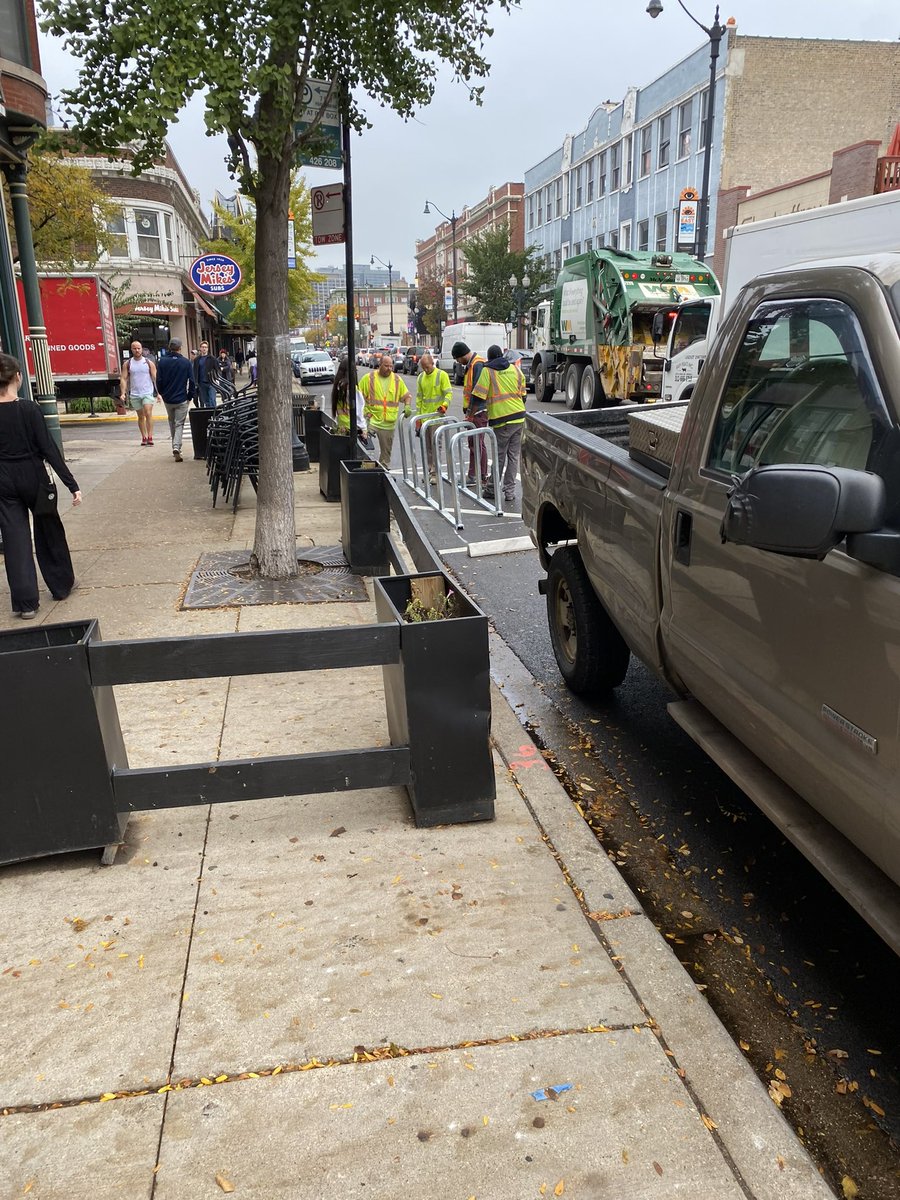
pixel 552 62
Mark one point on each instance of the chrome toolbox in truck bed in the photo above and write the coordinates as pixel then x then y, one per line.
pixel 653 435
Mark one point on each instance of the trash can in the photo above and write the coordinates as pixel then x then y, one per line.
pixel 199 419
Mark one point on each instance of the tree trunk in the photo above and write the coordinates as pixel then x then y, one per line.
pixel 275 542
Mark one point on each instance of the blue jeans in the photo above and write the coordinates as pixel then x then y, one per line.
pixel 207 394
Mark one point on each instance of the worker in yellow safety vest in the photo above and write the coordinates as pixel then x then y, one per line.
pixel 474 409
pixel 433 396
pixel 383 393
pixel 502 387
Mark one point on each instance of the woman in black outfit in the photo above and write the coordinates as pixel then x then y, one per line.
pixel 25 445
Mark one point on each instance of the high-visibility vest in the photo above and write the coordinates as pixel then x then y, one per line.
pixel 382 410
pixel 467 381
pixel 432 391
pixel 505 394
pixel 343 416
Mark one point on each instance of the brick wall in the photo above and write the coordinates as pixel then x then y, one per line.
pixel 789 102
pixel 853 171
pixel 729 202
pixel 25 96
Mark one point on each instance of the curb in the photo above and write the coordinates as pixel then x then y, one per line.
pixel 761 1148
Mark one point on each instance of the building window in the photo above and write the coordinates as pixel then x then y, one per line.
pixel 117 241
pixel 684 128
pixel 578 172
pixel 170 241
pixel 531 212
pixel 646 140
pixel 576 249
pixel 559 197
pixel 589 172
pixel 540 207
pixel 601 174
pixel 643 235
pixel 612 239
pixel 625 236
pixel 549 216
pixel 588 245
pixel 628 156
pixel 665 131
pixel 615 167
pixel 704 118
pixel 14 42
pixel 147 223
pixel 661 230
pixel 559 260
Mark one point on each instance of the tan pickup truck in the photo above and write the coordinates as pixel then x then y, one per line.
pixel 746 547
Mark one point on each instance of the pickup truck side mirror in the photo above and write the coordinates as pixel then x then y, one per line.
pixel 802 511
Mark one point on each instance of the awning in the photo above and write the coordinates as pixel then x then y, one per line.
pixel 205 304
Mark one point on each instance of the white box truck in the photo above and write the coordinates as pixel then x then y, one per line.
pixel 868 225
pixel 477 335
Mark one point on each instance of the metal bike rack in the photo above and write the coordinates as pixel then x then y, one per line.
pixel 451 436
pixel 464 438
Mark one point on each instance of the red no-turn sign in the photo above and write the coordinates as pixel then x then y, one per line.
pixel 328 214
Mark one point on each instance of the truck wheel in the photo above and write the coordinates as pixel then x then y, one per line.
pixel 573 384
pixel 543 389
pixel 590 652
pixel 591 389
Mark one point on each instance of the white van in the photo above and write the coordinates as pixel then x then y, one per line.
pixel 477 335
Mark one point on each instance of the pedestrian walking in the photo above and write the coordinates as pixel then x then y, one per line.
pixel 474 410
pixel 224 366
pixel 206 371
pixel 501 386
pixel 340 406
pixel 175 381
pixel 137 385
pixel 239 362
pixel 25 446
pixel 252 366
pixel 383 393
pixel 433 396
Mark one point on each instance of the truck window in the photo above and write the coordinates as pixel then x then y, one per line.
pixel 801 390
pixel 690 326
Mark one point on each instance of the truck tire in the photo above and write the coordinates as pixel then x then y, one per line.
pixel 591 393
pixel 543 388
pixel 573 384
pixel 591 654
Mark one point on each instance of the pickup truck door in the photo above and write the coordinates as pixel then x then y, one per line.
pixel 799 659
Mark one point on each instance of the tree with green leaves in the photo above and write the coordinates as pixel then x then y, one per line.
pixel 430 301
pixel 68 211
pixel 139 66
pixel 240 243
pixel 490 264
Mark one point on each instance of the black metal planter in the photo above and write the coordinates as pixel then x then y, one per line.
pixel 199 419
pixel 59 741
pixel 365 517
pixel 439 703
pixel 308 423
pixel 333 448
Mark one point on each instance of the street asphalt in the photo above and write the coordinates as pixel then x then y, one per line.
pixel 309 997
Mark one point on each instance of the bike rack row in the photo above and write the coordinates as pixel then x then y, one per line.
pixel 452 440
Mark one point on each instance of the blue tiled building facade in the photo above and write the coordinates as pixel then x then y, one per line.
pixel 617 182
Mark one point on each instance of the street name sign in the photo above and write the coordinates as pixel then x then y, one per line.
pixel 328 133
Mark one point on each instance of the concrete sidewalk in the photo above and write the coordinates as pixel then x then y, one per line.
pixel 311 998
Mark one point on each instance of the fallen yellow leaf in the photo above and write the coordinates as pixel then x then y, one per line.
pixel 225 1184
pixel 849 1188
pixel 560 1188
pixel 28 1186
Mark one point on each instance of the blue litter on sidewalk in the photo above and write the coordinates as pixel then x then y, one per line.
pixel 552 1092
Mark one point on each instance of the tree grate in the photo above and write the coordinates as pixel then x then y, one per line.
pixel 220 580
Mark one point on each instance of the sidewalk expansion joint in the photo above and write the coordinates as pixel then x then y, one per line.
pixel 361 1055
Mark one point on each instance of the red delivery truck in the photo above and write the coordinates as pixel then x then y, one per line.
pixel 81 333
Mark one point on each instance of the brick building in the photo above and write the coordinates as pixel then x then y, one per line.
pixel 154 238
pixel 434 255
pixel 783 107
pixel 378 305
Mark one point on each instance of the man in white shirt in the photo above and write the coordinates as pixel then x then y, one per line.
pixel 137 382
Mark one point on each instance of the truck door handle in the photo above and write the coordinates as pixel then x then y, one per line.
pixel 683 526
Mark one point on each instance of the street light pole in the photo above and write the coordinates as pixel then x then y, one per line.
pixel 715 33
pixel 390 267
pixel 519 294
pixel 452 219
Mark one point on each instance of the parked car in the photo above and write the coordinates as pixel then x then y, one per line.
pixel 316 367
pixel 524 358
pixel 411 359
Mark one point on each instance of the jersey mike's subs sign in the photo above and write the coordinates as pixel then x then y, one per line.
pixel 215 274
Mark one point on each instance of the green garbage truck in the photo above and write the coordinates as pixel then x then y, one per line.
pixel 601 337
